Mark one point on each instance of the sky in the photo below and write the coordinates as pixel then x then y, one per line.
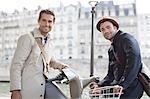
pixel 9 6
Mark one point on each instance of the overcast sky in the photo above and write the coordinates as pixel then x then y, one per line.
pixel 10 5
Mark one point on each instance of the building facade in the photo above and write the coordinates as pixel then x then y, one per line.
pixel 126 16
pixel 144 34
pixel 72 32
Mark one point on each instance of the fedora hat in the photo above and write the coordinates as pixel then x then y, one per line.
pixel 104 19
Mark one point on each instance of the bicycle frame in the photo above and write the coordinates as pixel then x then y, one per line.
pixel 76 84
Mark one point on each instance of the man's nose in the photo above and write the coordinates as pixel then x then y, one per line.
pixel 47 24
pixel 106 31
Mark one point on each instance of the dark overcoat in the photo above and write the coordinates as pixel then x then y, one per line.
pixel 124 70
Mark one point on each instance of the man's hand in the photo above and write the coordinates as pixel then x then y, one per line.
pixel 95 89
pixel 117 89
pixel 16 94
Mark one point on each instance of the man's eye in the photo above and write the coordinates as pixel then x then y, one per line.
pixel 102 29
pixel 108 27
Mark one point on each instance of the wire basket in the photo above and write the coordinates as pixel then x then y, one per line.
pixel 108 92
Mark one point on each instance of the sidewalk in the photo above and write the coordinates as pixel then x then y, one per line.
pixel 4 74
pixel 4 97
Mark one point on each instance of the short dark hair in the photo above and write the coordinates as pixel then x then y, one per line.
pixel 46 11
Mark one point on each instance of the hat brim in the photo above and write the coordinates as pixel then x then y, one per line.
pixel 114 22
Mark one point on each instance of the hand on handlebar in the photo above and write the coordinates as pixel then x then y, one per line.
pixel 59 77
pixel 94 89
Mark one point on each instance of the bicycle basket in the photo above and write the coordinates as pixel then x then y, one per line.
pixel 108 92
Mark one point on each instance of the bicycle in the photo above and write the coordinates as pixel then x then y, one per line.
pixel 76 84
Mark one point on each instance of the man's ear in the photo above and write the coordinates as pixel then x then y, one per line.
pixel 115 28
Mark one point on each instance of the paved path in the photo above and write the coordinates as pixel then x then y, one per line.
pixel 4 74
pixel 4 97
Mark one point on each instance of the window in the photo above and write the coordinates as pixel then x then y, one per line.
pixel 69 19
pixel 61 52
pixel 70 51
pixel 117 12
pixel 70 27
pixel 70 44
pixel 82 50
pixel 109 12
pixel 61 28
pixel 126 12
pixel 87 15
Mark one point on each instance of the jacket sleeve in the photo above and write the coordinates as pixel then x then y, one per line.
pixel 108 78
pixel 57 64
pixel 133 61
pixel 22 51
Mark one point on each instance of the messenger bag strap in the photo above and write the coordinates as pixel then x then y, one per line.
pixel 46 65
pixel 119 62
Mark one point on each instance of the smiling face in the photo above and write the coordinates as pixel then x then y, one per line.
pixel 108 30
pixel 46 23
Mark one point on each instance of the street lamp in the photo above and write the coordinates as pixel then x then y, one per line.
pixel 93 5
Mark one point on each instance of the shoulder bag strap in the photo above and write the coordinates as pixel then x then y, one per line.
pixel 119 62
pixel 117 59
pixel 46 65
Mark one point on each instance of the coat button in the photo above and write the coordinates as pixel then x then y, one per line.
pixel 42 84
pixel 122 78
pixel 41 95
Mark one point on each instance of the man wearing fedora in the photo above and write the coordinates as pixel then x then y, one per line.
pixel 124 60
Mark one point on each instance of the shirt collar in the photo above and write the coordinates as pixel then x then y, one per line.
pixel 37 33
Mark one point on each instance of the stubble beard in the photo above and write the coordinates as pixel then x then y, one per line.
pixel 45 31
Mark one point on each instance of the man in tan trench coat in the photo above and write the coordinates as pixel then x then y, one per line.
pixel 26 73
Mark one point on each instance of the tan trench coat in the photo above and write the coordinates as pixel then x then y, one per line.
pixel 26 73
